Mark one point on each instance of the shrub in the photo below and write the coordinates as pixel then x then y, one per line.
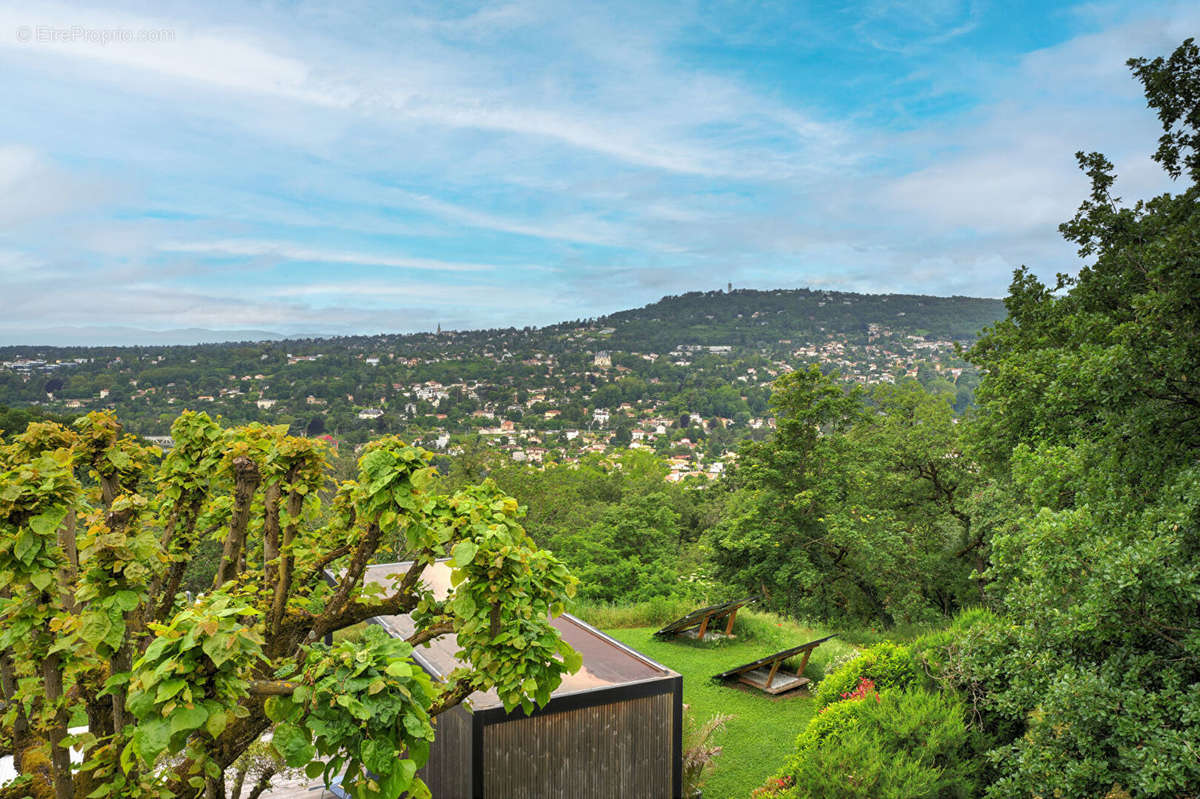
pixel 904 745
pixel 888 665
pixel 836 718
pixel 939 653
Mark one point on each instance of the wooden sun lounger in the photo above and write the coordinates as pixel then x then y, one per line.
pixel 764 673
pixel 700 619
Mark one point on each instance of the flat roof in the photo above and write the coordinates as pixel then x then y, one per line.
pixel 606 661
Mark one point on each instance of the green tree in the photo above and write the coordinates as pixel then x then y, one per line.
pixel 908 494
pixel 775 538
pixel 95 539
pixel 1090 424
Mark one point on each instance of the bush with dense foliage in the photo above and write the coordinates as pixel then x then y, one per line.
pixel 893 744
pixel 887 665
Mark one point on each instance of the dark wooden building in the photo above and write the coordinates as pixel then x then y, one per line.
pixel 613 729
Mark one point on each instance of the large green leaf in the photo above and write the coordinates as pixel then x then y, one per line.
pixel 168 689
pixel 94 626
pixel 26 546
pixel 151 738
pixel 47 522
pixel 126 600
pixel 464 553
pixel 187 718
pixel 293 744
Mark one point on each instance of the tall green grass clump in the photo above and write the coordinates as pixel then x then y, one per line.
pixel 650 613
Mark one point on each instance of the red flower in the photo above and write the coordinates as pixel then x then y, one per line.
pixel 866 687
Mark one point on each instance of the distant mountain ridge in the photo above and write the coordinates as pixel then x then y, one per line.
pixel 708 354
pixel 741 317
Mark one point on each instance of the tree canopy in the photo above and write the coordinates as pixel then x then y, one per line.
pixel 96 532
pixel 1090 426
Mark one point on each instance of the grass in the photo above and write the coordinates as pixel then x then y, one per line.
pixel 764 728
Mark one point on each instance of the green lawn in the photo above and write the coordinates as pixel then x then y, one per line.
pixel 764 728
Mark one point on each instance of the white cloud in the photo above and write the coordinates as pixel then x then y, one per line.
pixel 293 252
pixel 478 295
pixel 908 28
pixel 227 59
pixel 32 188
pixel 652 122
pixel 1007 171
pixel 544 133
pixel 586 229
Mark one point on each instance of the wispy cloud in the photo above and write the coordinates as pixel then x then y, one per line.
pixel 657 134
pixel 291 252
pixel 325 166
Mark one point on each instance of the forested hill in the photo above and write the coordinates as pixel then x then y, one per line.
pixel 742 318
pixel 746 317
pixel 712 356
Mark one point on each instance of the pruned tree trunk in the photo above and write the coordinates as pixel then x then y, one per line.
pixel 287 561
pixel 246 479
pixel 21 739
pixel 263 783
pixel 60 756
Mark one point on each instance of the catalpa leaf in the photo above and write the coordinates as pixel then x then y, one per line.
pixel 47 522
pixel 464 553
pixel 188 718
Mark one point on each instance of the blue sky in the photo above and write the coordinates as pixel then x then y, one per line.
pixel 361 167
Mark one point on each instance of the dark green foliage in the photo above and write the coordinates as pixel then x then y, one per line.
pixel 629 535
pixel 15 420
pixel 854 509
pixel 1173 88
pixel 631 553
pixel 1090 424
pixel 774 538
pixel 201 566
pixel 1094 680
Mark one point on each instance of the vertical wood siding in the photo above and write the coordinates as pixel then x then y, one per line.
pixel 623 749
pixel 448 772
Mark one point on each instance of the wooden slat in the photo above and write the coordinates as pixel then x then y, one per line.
pixel 621 749
pixel 782 682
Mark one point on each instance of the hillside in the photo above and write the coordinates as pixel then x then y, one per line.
pixel 688 376
pixel 760 318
